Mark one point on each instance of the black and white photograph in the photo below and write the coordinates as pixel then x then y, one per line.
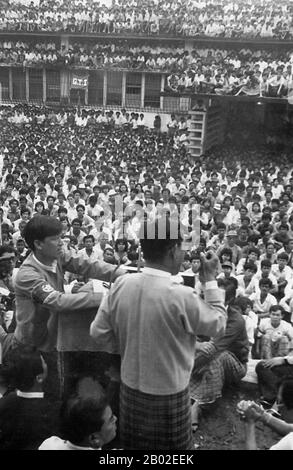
pixel 146 228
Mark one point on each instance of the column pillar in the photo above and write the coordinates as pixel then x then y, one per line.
pixel 142 90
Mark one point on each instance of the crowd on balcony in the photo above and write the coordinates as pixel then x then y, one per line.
pixel 254 73
pixel 204 18
pixel 202 70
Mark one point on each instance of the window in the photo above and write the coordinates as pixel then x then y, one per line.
pixel 53 85
pixel 4 80
pixel 36 84
pixel 152 90
pixel 96 87
pixel 114 88
pixel 18 84
pixel 133 90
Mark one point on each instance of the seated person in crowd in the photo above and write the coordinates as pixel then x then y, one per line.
pixel 274 335
pixel 283 273
pixel 86 423
pixel 269 374
pixel 227 281
pixel 219 361
pixel 245 281
pixel 262 299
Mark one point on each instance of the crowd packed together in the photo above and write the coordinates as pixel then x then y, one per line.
pixel 202 70
pixel 241 19
pixel 82 186
pixel 126 54
pixel 255 73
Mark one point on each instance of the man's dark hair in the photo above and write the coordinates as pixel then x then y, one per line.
pixel 253 238
pixel 284 227
pixel 22 365
pixel 265 282
pixel 80 417
pixel 23 210
pixel 157 238
pixel 255 250
pixel 76 220
pixel 250 265
pixel 194 255
pixel 89 237
pixel 265 263
pixel 40 227
pixel 276 308
pixel 283 256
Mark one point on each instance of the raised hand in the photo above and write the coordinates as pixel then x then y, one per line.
pixel 208 266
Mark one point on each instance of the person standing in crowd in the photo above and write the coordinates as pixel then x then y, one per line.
pixel 157 360
pixel 39 290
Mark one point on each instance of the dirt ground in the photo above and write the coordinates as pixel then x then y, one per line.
pixel 220 427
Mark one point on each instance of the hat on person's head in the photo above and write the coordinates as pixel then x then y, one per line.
pixel 228 264
pixel 112 192
pixel 217 207
pixel 232 233
pixel 81 186
pixel 108 247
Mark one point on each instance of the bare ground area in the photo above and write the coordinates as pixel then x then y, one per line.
pixel 220 427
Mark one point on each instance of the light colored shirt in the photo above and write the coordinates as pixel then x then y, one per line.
pixel 286 443
pixel 264 307
pixel 56 443
pixel 265 327
pixel 152 323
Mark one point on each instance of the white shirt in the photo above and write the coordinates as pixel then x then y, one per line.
pixel 286 443
pixel 97 254
pixel 56 443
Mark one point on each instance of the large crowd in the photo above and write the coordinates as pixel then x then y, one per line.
pixel 92 179
pixel 124 54
pixel 203 18
pixel 202 70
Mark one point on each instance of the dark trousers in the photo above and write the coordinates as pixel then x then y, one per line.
pixel 52 385
pixel 269 379
pixel 75 365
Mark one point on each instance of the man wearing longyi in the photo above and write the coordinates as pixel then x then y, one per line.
pixel 152 322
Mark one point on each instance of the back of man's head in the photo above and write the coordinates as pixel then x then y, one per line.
pixel 158 237
pixel 23 365
pixel 82 416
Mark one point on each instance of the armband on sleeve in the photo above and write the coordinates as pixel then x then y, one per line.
pixel 41 292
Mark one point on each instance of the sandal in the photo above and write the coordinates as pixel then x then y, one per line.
pixel 195 410
pixel 194 427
